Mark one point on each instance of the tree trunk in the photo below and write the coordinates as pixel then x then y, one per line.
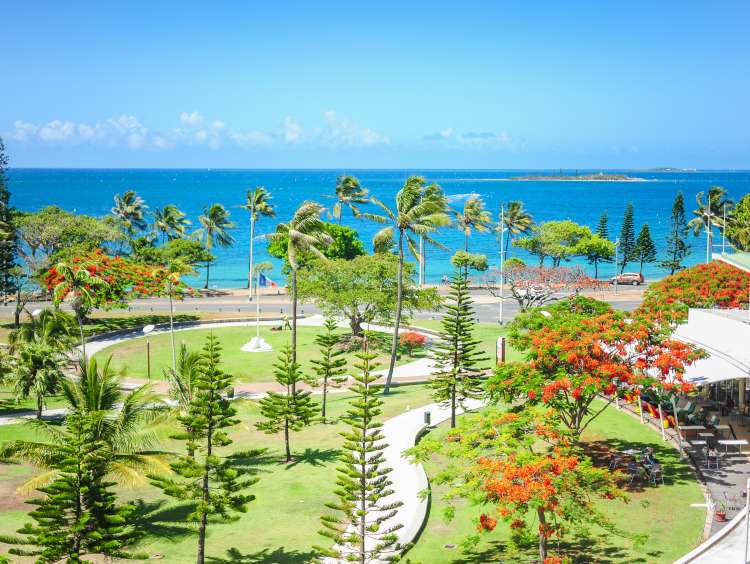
pixel 453 406
pixel 596 270
pixel 206 491
pixel 542 535
pixel 286 441
pixel 466 240
pixel 325 394
pixel 83 339
pixel 294 317
pixel 39 405
pixel 171 329
pixel 507 243
pixel 355 324
pixel 17 313
pixel 250 261
pixel 208 268
pixel 399 304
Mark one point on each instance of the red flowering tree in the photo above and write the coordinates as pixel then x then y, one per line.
pixel 412 340
pixel 713 285
pixel 535 286
pixel 576 354
pixel 96 280
pixel 526 469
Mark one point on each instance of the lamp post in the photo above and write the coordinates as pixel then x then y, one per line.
pixel 146 330
pixel 617 260
pixel 708 230
pixel 502 262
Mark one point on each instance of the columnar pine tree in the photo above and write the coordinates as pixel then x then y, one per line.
pixel 8 238
pixel 458 354
pixel 330 366
pixel 627 237
pixel 677 247
pixel 78 514
pixel 598 251
pixel 602 228
pixel 291 410
pixel 213 481
pixel 361 527
pixel 645 250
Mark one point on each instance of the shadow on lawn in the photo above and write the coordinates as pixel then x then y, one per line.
pixel 163 520
pixel 103 324
pixel 265 556
pixel 675 471
pixel 314 457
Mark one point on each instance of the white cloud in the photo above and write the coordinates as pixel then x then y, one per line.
pixel 125 130
pixel 193 118
pixel 292 130
pixel 447 132
pixel 344 132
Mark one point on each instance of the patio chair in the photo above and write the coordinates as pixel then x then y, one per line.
pixel 686 411
pixel 713 421
pixel 655 474
pixel 712 460
pixel 633 472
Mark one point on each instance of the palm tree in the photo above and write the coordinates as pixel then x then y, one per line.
pixel 37 371
pixel 78 282
pixel 304 234
pixel 710 212
pixel 419 210
pixel 473 216
pixel 170 222
pixel 52 326
pixel 123 423
pixel 257 204
pixel 349 193
pixel 171 277
pixel 517 221
pixel 181 381
pixel 130 209
pixel 214 230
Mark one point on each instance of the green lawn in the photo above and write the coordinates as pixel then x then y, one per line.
pixel 663 512
pixel 9 405
pixel 280 527
pixel 130 356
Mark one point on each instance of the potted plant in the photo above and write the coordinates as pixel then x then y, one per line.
pixel 721 512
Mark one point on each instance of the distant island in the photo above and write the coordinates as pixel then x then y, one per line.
pixel 598 177
pixel 672 169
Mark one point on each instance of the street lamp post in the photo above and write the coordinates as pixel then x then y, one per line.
pixel 617 261
pixel 146 330
pixel 502 262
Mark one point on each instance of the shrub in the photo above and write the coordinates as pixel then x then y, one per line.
pixel 412 340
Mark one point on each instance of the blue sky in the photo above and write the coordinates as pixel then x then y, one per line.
pixel 387 84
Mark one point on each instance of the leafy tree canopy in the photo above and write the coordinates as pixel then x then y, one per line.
pixel 362 289
pixel 188 251
pixel 346 245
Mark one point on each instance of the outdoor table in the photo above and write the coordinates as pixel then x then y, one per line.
pixel 739 443
pixel 690 430
pixel 721 429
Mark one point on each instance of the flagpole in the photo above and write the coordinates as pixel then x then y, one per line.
pixel 502 262
pixel 257 305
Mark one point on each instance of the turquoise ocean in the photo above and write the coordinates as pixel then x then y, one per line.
pixel 91 191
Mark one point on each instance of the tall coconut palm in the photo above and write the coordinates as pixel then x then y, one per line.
pixel 79 284
pixel 517 221
pixel 303 234
pixel 709 213
pixel 258 205
pixel 123 424
pixel 130 210
pixel 349 193
pixel 419 210
pixel 170 223
pixel 214 230
pixel 473 216
pixel 170 276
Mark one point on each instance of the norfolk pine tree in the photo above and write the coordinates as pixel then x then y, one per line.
pixel 357 526
pixel 291 410
pixel 645 250
pixel 213 481
pixel 599 251
pixel 8 237
pixel 627 238
pixel 457 352
pixel 677 247
pixel 330 367
pixel 77 515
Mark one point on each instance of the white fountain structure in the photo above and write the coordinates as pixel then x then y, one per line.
pixel 257 343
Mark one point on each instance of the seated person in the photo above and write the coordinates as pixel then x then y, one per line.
pixel 648 458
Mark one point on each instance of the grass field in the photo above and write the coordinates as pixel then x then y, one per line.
pixel 280 527
pixel 130 356
pixel 487 333
pixel 663 512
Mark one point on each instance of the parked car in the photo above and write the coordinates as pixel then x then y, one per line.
pixel 628 278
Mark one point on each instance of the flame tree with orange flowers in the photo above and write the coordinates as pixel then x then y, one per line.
pixel 97 280
pixel 579 350
pixel 524 468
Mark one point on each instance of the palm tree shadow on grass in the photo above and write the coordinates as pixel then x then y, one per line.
pixel 265 556
pixel 315 457
pixel 163 520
